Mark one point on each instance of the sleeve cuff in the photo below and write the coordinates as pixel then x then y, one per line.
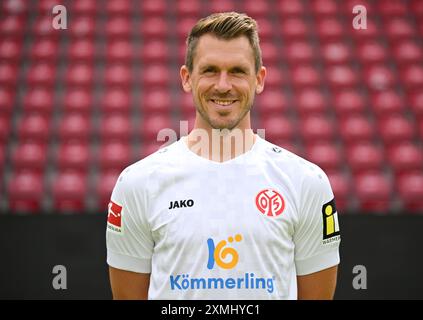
pixel 128 263
pixel 317 263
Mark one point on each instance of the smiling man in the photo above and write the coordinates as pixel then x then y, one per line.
pixel 237 217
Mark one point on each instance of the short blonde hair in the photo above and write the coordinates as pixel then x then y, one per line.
pixel 225 25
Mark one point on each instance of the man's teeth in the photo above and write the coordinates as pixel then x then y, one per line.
pixel 223 102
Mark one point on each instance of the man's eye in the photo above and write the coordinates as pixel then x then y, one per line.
pixel 240 71
pixel 208 70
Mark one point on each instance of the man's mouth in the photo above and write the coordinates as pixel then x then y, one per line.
pixel 223 103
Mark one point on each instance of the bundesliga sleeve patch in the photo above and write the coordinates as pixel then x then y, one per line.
pixel 114 217
pixel 330 222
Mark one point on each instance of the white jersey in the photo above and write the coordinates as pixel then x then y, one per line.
pixel 241 229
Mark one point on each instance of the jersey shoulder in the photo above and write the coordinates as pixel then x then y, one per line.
pixel 158 160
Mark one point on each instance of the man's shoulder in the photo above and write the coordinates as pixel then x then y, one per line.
pixel 157 160
pixel 290 162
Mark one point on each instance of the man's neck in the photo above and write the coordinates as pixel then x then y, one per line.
pixel 220 145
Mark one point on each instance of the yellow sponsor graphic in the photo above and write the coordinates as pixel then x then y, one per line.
pixel 330 220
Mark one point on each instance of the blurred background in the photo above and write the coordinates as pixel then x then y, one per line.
pixel 77 105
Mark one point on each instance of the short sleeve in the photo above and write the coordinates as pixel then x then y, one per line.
pixel 128 237
pixel 317 233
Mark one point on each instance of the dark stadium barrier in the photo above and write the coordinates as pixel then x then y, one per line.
pixel 389 247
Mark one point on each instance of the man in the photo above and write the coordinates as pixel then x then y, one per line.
pixel 222 213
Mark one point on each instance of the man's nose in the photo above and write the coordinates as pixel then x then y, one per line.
pixel 223 83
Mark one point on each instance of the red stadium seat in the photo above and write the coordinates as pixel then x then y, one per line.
pixel 222 6
pixel 341 76
pixel 73 156
pixel 348 102
pixel 341 187
pixel 317 129
pixel 120 51
pixel 155 75
pixel 39 100
pixel 190 8
pixel 42 74
pixel 405 156
pixel 294 28
pixel 356 128
pixel 78 100
pixel 14 7
pixel 115 127
pixel 322 8
pixel 410 187
pixel 156 101
pixel 266 29
pixel 365 156
pixel 118 27
pixel 395 128
pixel 330 28
pixel 114 156
pixel 326 155
pixel 119 7
pixel 34 127
pixel 305 75
pixel 45 6
pixel 151 126
pixel 8 74
pixel 12 25
pixel 81 50
pixel 372 52
pixel 83 26
pixel 30 156
pixel 374 191
pixel 153 7
pixel 84 7
pixel 69 190
pixel 269 52
pixel 415 101
pixel 10 50
pixel 274 77
pixel 278 129
pixel 412 76
pixel 298 52
pixel 336 52
pixel 80 75
pixel 154 28
pixel 392 8
pixel 387 103
pixel 271 103
pixel 399 28
pixel 407 51
pixel 44 50
pixel 156 51
pixel 286 8
pixel 75 127
pixel 116 100
pixel 373 32
pixel 379 77
pixel 7 99
pixel 420 128
pixel 42 27
pixel 105 184
pixel 184 28
pixel 310 101
pixel 118 75
pixel 256 8
pixel 26 191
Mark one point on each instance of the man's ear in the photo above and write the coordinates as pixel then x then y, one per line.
pixel 261 75
pixel 185 78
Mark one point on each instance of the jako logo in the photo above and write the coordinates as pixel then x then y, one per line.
pixel 270 202
pixel 218 253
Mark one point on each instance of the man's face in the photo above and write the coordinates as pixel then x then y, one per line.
pixel 223 82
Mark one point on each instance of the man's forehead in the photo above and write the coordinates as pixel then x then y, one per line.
pixel 213 50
